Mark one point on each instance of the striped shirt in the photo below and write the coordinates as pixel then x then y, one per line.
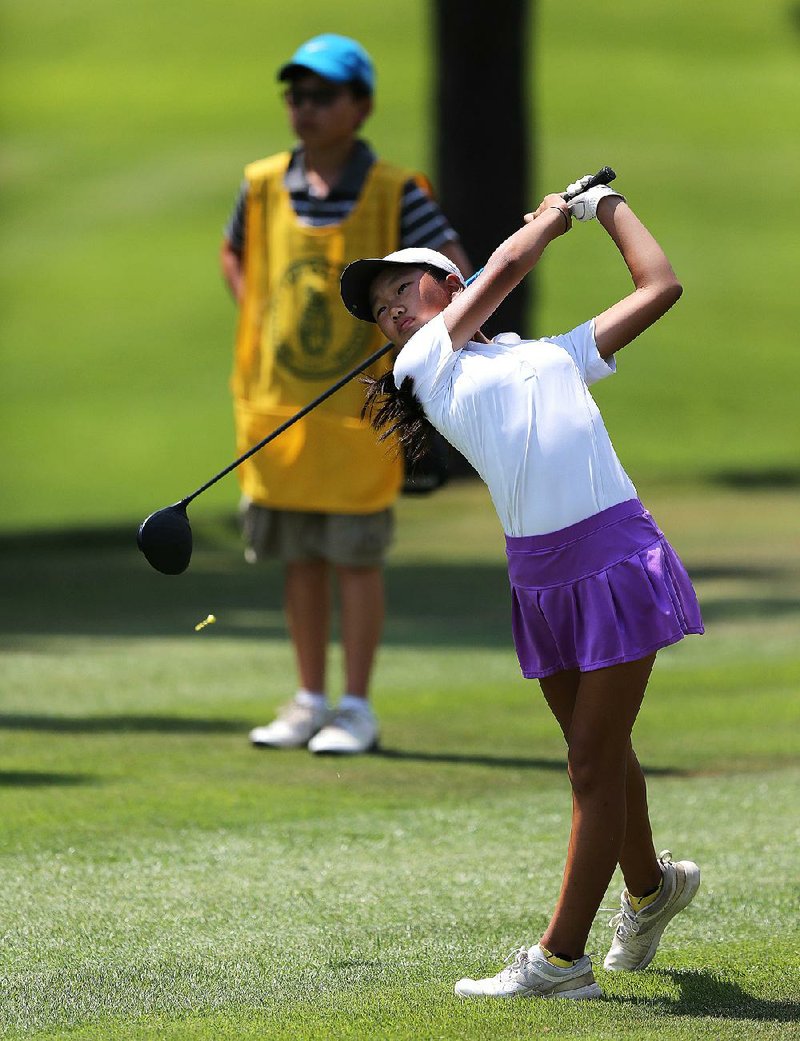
pixel 422 222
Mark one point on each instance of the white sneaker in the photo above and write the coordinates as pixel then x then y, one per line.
pixel 637 935
pixel 294 727
pixel 352 731
pixel 531 975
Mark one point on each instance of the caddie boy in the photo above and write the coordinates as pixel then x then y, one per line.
pixel 320 497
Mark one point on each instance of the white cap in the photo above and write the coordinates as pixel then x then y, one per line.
pixel 357 278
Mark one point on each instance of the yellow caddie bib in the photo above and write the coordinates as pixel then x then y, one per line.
pixel 295 338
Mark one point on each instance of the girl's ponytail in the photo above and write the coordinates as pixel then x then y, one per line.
pixel 394 410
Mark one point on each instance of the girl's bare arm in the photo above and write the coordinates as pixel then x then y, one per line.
pixel 656 285
pixel 505 269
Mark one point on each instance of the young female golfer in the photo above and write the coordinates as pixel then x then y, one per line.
pixel 596 588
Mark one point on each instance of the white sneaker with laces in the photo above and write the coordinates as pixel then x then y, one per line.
pixel 531 975
pixel 295 725
pixel 351 731
pixel 637 935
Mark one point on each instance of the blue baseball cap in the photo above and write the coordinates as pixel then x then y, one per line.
pixel 334 57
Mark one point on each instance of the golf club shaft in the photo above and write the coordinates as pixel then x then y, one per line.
pixel 601 177
pixel 292 420
pixel 298 415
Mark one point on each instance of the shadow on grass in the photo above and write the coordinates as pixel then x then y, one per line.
pixel 743 607
pixel 741 610
pixel 705 994
pixel 504 762
pixel 120 724
pixel 94 582
pixel 39 779
pixel 70 584
pixel 176 725
pixel 770 478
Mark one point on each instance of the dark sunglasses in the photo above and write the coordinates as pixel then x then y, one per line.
pixel 318 96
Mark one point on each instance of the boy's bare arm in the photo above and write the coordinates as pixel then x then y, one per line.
pixel 232 270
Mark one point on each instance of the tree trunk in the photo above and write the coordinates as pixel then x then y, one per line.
pixel 483 131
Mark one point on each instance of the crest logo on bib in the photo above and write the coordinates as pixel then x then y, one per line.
pixel 314 336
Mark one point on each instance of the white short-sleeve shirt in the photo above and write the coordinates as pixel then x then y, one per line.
pixel 521 413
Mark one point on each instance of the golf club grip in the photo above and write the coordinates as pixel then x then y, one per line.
pixel 604 176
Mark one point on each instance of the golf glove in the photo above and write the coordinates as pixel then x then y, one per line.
pixel 584 207
pixel 577 186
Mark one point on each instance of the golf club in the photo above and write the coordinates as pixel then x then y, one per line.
pixel 165 537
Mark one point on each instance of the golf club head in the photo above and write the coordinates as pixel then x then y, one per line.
pixel 165 538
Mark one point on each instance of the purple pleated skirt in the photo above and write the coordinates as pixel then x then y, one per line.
pixel 606 590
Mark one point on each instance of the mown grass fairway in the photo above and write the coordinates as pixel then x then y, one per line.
pixel 160 879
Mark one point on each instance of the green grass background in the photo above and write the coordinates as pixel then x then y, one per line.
pixel 158 878
pixel 126 128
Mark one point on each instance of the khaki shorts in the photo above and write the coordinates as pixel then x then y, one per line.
pixel 348 539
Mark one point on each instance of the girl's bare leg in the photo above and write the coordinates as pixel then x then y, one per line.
pixel 596 711
pixel 637 858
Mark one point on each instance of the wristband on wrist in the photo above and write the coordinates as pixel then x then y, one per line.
pixel 565 214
